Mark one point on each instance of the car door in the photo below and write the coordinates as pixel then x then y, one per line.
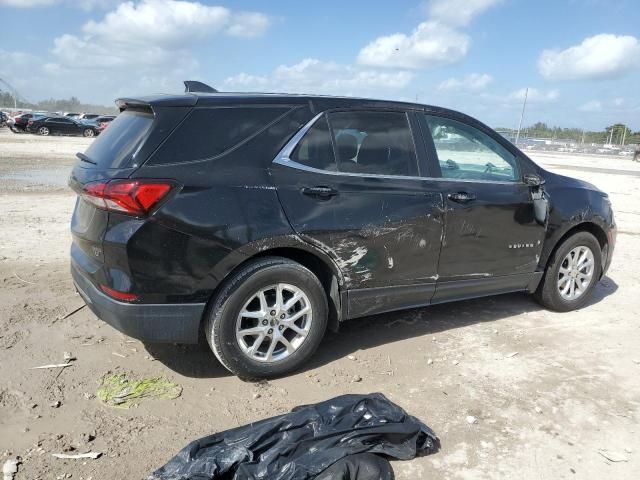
pixel 349 183
pixel 491 241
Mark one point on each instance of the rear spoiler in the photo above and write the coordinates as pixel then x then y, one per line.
pixel 179 100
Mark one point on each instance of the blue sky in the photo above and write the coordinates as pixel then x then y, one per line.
pixel 580 59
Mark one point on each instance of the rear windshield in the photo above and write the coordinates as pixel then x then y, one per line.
pixel 116 146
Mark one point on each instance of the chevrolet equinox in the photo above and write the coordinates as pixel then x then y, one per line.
pixel 257 221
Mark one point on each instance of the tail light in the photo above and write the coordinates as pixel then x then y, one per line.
pixel 131 197
pixel 118 295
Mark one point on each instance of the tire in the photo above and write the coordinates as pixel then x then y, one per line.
pixel 549 292
pixel 88 132
pixel 235 296
pixel 43 131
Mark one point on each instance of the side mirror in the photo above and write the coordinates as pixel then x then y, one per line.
pixel 533 180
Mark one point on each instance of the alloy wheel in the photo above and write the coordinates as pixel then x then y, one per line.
pixel 576 273
pixel 274 323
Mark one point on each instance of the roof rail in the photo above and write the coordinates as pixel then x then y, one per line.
pixel 195 86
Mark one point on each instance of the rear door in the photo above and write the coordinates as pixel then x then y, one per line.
pixel 491 240
pixel 350 184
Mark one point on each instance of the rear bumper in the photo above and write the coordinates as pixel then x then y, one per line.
pixel 159 323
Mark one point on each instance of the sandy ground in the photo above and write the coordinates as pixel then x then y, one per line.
pixel 549 391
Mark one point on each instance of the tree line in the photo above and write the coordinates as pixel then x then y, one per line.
pixel 616 134
pixel 72 104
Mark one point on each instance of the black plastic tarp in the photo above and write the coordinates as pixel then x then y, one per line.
pixel 331 440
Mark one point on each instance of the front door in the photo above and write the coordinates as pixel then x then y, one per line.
pixel 350 185
pixel 491 240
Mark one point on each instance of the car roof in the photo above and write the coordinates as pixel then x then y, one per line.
pixel 321 102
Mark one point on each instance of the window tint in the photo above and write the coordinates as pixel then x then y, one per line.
pixel 209 132
pixel 467 153
pixel 315 149
pixel 374 143
pixel 115 146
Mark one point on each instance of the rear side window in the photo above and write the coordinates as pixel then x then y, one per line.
pixel 315 149
pixel 371 142
pixel 210 132
pixel 115 146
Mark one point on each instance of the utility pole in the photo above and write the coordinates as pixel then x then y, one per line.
pixel 624 134
pixel 524 105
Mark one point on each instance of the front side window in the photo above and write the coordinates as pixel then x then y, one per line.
pixel 374 142
pixel 466 153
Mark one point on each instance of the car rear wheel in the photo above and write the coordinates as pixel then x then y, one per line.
pixel 43 131
pixel 572 273
pixel 88 132
pixel 268 319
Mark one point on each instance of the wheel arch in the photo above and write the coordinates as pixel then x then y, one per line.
pixel 589 227
pixel 327 272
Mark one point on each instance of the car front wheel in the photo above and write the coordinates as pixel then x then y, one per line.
pixel 88 132
pixel 572 273
pixel 268 319
pixel 43 131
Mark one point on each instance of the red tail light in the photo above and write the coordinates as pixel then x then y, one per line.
pixel 118 295
pixel 132 197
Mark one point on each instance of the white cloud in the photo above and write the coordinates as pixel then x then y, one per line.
pixel 473 82
pixel 431 44
pixel 171 23
pixel 248 24
pixel 458 12
pixel 315 76
pixel 137 47
pixel 151 38
pixel 597 57
pixel 534 95
pixel 591 106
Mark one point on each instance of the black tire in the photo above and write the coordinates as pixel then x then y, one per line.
pixel 547 293
pixel 88 132
pixel 220 326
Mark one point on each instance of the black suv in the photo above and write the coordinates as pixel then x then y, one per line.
pixel 259 220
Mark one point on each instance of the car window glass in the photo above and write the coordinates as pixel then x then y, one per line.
pixel 218 130
pixel 315 149
pixel 372 142
pixel 466 153
pixel 116 145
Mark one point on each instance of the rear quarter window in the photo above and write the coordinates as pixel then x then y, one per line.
pixel 211 132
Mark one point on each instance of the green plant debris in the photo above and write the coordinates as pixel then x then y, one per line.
pixel 116 390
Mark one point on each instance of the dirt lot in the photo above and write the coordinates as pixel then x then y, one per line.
pixel 549 391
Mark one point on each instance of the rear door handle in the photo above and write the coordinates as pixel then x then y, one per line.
pixel 461 197
pixel 321 192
